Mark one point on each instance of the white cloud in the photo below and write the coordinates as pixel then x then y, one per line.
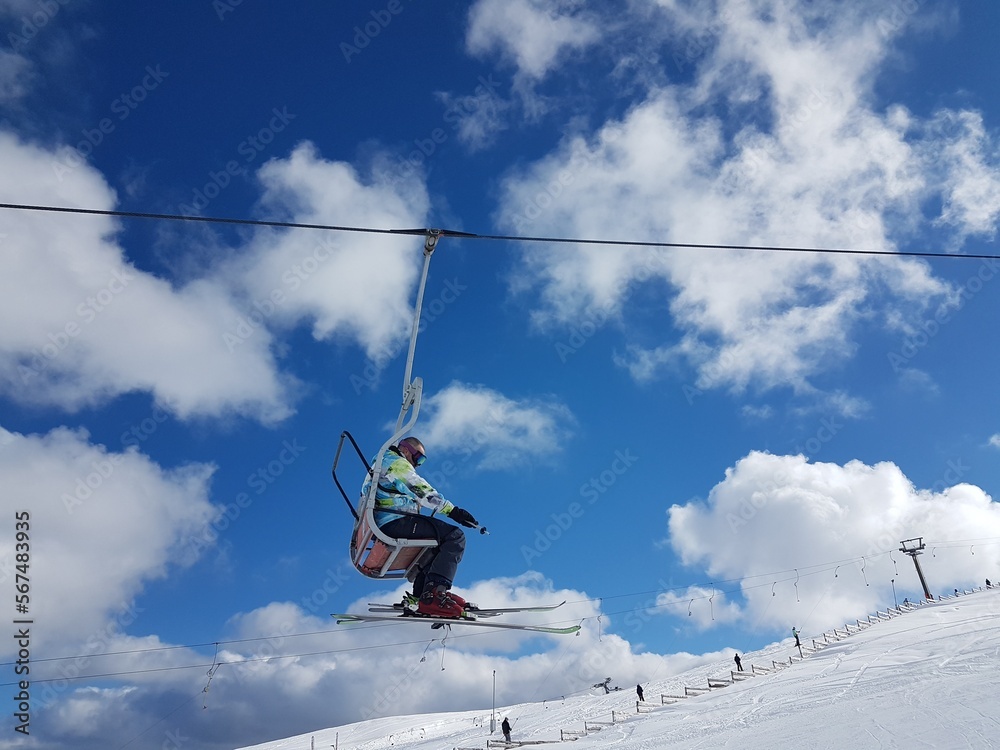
pixel 94 326
pixel 102 525
pixel 353 285
pixel 773 513
pixel 971 183
pixel 478 117
pixel 995 440
pixel 495 431
pixel 533 34
pixel 706 607
pixel 816 163
pixel 15 73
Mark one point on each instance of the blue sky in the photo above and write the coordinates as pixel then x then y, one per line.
pixel 698 448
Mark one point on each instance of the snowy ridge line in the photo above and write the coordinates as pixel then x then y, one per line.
pixel 717 683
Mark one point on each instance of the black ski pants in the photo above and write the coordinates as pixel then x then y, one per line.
pixel 447 555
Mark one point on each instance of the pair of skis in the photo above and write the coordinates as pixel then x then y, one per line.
pixel 470 618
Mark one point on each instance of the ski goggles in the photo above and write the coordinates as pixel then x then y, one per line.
pixel 416 457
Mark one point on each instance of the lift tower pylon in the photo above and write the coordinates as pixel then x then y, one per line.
pixel 914 547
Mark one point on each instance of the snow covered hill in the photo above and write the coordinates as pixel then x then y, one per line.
pixel 927 678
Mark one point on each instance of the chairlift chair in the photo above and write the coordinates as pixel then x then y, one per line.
pixel 374 553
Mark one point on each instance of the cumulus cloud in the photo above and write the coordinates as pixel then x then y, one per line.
pixel 815 163
pixel 88 506
pixel 15 71
pixel 348 285
pixel 477 117
pixel 95 326
pixel 995 440
pixel 773 513
pixel 494 431
pixel 971 179
pixel 531 34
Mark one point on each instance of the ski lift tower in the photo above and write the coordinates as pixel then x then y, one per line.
pixel 914 547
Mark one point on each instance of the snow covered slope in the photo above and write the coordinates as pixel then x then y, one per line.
pixel 928 678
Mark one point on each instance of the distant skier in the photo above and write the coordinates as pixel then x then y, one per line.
pixel 505 728
pixel 401 492
pixel 739 662
pixel 796 634
pixel 604 685
pixel 638 691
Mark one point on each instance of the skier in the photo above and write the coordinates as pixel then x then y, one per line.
pixel 638 691
pixel 796 634
pixel 505 728
pixel 401 493
pixel 739 664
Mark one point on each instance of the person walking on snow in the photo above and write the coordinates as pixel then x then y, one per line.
pixel 505 728
pixel 638 691
pixel 739 664
pixel 400 494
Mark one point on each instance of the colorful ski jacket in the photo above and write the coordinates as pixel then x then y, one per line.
pixel 401 488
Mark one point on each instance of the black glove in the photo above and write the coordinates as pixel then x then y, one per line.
pixel 463 517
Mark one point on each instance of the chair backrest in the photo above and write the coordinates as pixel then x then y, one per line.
pixel 373 552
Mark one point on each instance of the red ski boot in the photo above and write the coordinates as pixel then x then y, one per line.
pixel 438 602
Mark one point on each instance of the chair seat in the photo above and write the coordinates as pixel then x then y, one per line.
pixel 377 555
